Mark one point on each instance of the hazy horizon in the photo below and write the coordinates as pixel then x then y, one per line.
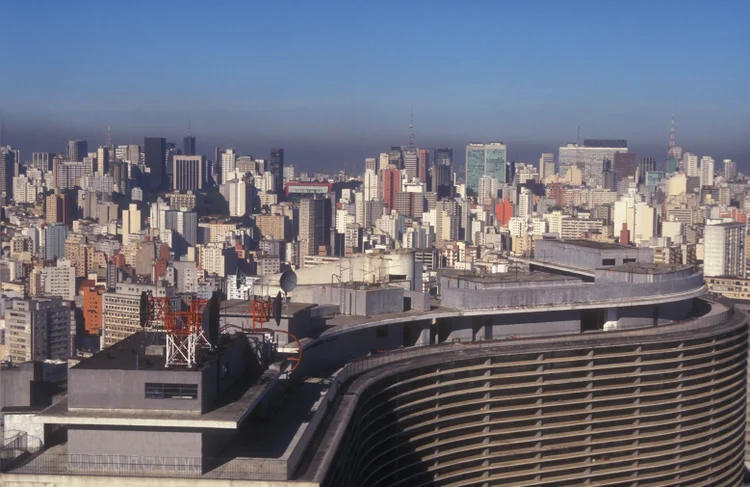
pixel 334 83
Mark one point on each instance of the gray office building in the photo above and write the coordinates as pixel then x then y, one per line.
pixel 188 145
pixel 276 167
pixel 155 151
pixel 77 150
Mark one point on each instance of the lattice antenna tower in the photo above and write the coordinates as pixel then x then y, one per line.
pixel 671 138
pixel 412 145
pixel 109 136
pixel 190 130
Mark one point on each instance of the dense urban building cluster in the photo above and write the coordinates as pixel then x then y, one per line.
pixel 90 228
pixel 414 281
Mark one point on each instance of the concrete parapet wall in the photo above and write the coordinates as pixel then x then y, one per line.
pixel 565 295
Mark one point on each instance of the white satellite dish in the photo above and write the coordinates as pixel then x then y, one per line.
pixel 288 281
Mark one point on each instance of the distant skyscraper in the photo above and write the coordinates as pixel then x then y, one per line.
pixel 730 169
pixel 383 161
pixel 444 156
pixel 625 164
pixel 187 172
pixel 645 165
pixel 371 163
pixel 485 160
pixel 371 186
pixel 441 181
pixel 423 164
pixel 42 161
pixel 312 226
pixel 590 158
pixel 228 163
pixel 391 186
pixel 77 150
pixel 395 157
pixel 707 171
pixel 188 145
pixel 546 165
pixel 525 203
pixel 7 163
pixel 410 164
pixel 276 167
pixel 690 161
pixel 155 150
pixel 102 160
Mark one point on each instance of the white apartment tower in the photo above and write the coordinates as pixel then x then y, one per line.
pixel 690 161
pixel 724 250
pixel 707 171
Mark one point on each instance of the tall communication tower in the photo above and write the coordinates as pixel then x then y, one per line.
pixel 412 145
pixel 671 138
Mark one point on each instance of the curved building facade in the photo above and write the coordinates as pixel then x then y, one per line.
pixel 626 374
pixel 659 406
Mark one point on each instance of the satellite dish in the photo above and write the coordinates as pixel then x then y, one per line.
pixel 288 281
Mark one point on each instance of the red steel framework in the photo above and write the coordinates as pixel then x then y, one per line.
pixel 183 329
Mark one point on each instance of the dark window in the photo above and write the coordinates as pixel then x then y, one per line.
pixel 625 261
pixel 609 261
pixel 171 391
pixel 381 331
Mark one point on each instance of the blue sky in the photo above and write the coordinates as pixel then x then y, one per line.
pixel 333 81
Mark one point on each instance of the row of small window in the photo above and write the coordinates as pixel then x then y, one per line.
pixel 156 390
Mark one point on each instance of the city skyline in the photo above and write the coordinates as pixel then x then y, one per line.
pixel 525 74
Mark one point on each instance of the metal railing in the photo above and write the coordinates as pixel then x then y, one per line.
pixel 49 463
pixel 16 446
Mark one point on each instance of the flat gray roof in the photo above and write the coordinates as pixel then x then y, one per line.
pixel 231 409
pixel 589 244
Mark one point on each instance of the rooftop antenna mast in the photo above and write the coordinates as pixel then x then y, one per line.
pixel 671 138
pixel 190 130
pixel 411 129
pixel 109 136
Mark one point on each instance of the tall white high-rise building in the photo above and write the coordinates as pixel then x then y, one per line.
pixel 383 161
pixel 372 183
pixel 730 169
pixel 131 222
pixel 228 164
pixel 525 203
pixel 690 161
pixel 724 251
pixel 241 193
pixel 371 163
pixel 707 171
